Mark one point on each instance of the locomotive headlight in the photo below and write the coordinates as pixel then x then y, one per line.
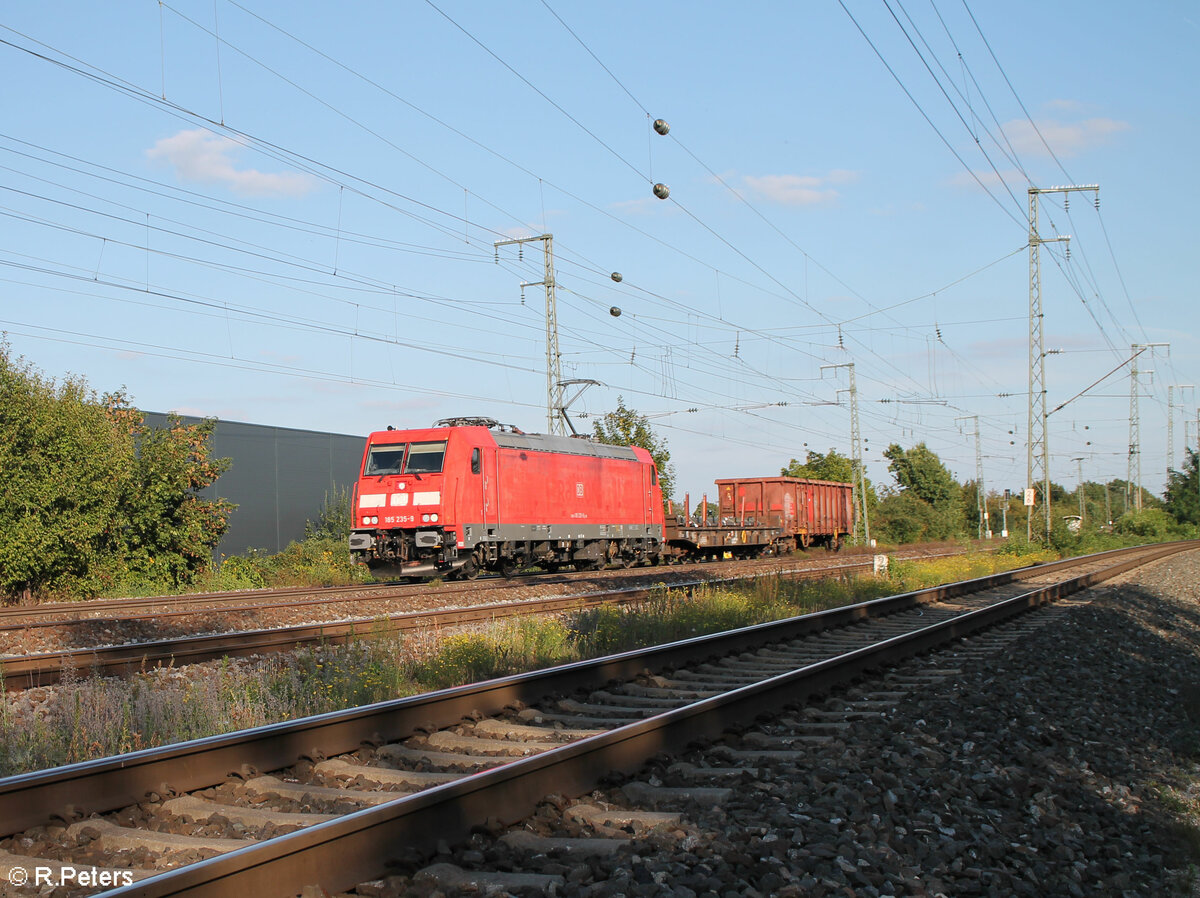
pixel 374 519
pixel 366 519
pixel 424 519
pixel 433 517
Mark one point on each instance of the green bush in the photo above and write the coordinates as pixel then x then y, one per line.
pixel 90 497
pixel 1149 525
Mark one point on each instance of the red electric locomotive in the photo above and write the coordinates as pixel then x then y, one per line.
pixel 469 494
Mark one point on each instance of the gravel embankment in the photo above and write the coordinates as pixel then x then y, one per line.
pixel 1063 765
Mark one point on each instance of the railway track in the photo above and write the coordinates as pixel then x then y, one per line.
pixel 373 787
pixel 17 617
pixel 461 605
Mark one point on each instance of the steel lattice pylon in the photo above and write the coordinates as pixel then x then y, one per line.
pixel 1037 460
pixel 555 418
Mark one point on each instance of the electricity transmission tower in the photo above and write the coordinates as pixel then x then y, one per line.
pixel 858 476
pixel 980 489
pixel 555 418
pixel 1037 460
pixel 1079 460
pixel 1171 422
pixel 1133 469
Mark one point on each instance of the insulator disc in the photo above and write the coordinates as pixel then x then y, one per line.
pixel 615 311
pixel 616 276
pixel 662 191
pixel 661 126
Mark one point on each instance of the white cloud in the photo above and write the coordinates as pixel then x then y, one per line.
pixel 1065 138
pixel 987 178
pixel 201 156
pixel 797 190
pixel 647 205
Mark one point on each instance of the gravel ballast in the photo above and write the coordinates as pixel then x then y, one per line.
pixel 1063 764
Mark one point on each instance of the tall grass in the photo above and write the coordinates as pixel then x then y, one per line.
pixel 88 717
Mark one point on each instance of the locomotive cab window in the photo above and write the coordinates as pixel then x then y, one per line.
pixel 425 458
pixel 475 460
pixel 385 459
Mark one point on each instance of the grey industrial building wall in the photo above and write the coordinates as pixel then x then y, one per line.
pixel 279 478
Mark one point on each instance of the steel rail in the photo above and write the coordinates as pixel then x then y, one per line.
pixel 13 617
pixel 107 784
pixel 475 587
pixel 351 849
pixel 48 668
pixel 152 602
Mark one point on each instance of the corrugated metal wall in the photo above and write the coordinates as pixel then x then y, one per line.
pixel 279 478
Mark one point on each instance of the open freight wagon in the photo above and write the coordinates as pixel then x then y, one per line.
pixel 768 515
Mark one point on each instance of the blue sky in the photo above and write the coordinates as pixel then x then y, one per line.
pixel 285 213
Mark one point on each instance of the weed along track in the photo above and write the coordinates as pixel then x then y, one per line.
pixel 115 646
pixel 499 768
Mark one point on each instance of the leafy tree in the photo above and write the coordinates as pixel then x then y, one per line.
pixel 922 476
pixel 922 473
pixel 817 466
pixel 170 529
pixel 63 460
pixel 625 427
pixel 829 466
pixel 1149 524
pixel 89 495
pixel 1183 491
pixel 970 507
pixel 903 518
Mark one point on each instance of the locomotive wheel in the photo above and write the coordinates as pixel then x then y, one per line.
pixel 470 570
pixel 508 568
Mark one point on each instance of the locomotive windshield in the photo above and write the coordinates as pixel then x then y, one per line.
pixel 423 458
pixel 384 460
